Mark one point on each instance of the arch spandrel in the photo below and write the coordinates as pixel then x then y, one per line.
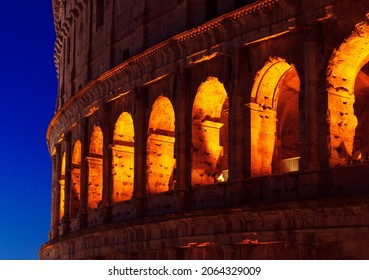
pixel 342 72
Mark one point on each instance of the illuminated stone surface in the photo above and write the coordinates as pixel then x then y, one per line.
pixel 274 117
pixel 184 132
pixel 209 117
pixel 160 147
pixel 123 158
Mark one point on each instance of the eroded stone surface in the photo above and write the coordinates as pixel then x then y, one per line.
pixel 169 130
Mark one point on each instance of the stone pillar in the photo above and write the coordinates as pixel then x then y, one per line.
pixel 182 148
pixel 56 191
pixel 83 210
pixel 90 17
pixel 53 218
pixel 139 192
pixel 107 165
pixel 311 160
pixel 67 198
pixel 236 141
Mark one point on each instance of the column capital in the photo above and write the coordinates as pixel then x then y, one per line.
pixel 310 157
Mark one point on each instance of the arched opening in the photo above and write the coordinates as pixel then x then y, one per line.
pixel 348 94
pixel 275 119
pixel 62 187
pixel 76 179
pixel 210 134
pixel 160 147
pixel 123 158
pixel 95 168
pixel 361 111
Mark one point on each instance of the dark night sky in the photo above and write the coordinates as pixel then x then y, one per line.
pixel 28 89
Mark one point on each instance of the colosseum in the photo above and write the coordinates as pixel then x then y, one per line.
pixel 210 129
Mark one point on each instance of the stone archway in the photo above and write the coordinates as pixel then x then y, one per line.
pixel 123 158
pixel 95 168
pixel 76 179
pixel 62 187
pixel 275 119
pixel 348 85
pixel 210 133
pixel 160 147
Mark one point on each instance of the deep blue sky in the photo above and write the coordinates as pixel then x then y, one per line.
pixel 28 88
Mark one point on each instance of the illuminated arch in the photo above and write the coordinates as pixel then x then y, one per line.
pixel 346 82
pixel 162 117
pixel 62 187
pixel 275 119
pixel 96 142
pixel 95 168
pixel 160 146
pixel 210 133
pixel 76 156
pixel 76 178
pixel 123 158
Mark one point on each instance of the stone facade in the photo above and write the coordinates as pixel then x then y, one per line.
pixel 198 129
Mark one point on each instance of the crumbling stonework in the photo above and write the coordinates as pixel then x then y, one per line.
pixel 192 131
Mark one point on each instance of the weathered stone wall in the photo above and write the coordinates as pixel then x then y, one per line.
pixel 326 229
pixel 206 93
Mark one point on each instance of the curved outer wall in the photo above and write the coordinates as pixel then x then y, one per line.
pixel 156 101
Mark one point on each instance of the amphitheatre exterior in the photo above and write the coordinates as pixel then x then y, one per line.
pixel 204 129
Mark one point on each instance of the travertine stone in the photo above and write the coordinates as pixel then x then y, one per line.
pixel 236 131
